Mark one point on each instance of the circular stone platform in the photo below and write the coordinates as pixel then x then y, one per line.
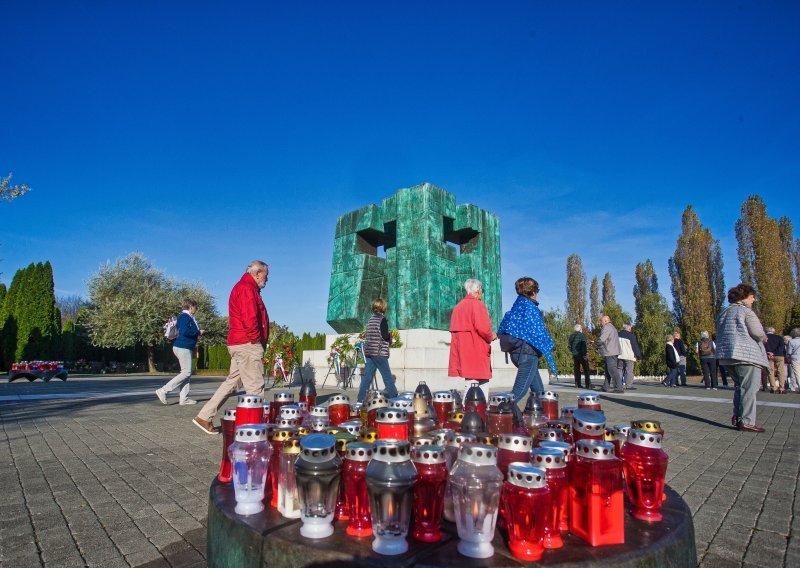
pixel 267 539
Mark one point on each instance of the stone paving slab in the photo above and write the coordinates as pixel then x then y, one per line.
pixel 121 480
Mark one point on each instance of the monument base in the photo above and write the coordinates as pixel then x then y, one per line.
pixel 424 356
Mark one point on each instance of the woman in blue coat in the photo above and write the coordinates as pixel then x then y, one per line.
pixel 183 348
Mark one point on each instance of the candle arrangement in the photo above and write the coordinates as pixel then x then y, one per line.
pixel 402 475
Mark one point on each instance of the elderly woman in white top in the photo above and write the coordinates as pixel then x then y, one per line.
pixel 740 348
pixel 793 357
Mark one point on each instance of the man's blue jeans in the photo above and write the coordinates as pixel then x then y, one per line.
pixel 527 376
pixel 382 364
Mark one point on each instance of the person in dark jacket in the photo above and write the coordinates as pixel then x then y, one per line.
pixel 183 348
pixel 680 347
pixel 672 359
pixel 579 347
pixel 776 352
pixel 705 349
pixel 376 351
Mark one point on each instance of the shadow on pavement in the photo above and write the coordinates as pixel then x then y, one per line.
pixel 631 403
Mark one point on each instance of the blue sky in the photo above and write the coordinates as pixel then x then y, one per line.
pixel 206 134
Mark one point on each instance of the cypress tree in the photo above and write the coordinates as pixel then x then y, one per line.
pixel 762 262
pixel 653 319
pixel 594 303
pixel 576 291
pixel 609 292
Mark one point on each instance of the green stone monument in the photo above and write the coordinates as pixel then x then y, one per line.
pixel 431 247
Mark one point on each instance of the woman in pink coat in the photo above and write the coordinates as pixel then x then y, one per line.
pixel 471 335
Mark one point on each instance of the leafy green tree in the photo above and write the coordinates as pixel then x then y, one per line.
pixel 576 290
pixel 653 319
pixel 130 301
pixel 594 304
pixel 762 262
pixel 560 326
pixel 697 286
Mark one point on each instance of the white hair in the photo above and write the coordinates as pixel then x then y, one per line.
pixel 770 330
pixel 256 266
pixel 626 326
pixel 704 334
pixel 473 286
pixel 578 327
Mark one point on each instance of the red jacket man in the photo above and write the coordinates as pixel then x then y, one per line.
pixel 249 331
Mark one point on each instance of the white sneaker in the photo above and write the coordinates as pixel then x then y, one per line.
pixel 161 396
pixel 188 401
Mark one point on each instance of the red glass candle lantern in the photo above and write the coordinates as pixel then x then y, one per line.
pixel 426 440
pixel 500 420
pixel 429 492
pixel 454 421
pixel 339 409
pixel 392 424
pixel 308 393
pixel 442 405
pixel 567 412
pixel 597 513
pixel 589 401
pixel 377 402
pixel 355 487
pixel 645 465
pixel 475 400
pixel 407 404
pixel 352 427
pixel 279 400
pixel 564 426
pixel 525 501
pixel 648 426
pixel 550 435
pixel 512 448
pixel 553 462
pixel 266 414
pixel 550 404
pixel 279 436
pixel 497 398
pixel 588 425
pixel 228 423
pixel 249 410
pixel 303 406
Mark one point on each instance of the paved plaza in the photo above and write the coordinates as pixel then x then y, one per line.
pixel 96 472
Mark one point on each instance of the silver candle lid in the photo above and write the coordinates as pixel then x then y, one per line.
pixel 526 475
pixel 318 411
pixel 549 395
pixel 423 441
pixel 499 397
pixel 564 447
pixel 588 398
pixel 392 451
pixel 302 405
pixel 339 398
pixel 443 396
pixel 548 458
pixel 359 451
pixel 595 449
pixel 250 401
pixel 551 434
pixel 402 403
pixel 318 424
pixel 514 442
pixel 391 416
pixel 229 414
pixel 478 454
pixel 443 436
pixel 352 427
pixel 251 433
pixel 378 401
pixel 290 411
pixel 567 412
pixel 288 422
pixel 407 395
pixel 621 431
pixel 644 439
pixel 428 454
pixel 591 422
pixel 283 396
pixel 461 439
pixel 318 447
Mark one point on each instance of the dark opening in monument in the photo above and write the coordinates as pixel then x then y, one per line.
pixel 463 240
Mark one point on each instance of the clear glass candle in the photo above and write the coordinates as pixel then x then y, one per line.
pixel 288 501
pixel 475 482
pixel 249 455
pixel 390 486
pixel 318 472
pixel 279 437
